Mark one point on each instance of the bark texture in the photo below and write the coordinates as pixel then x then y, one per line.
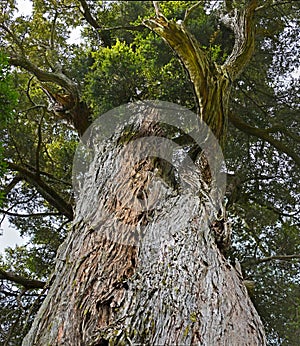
pixel 153 276
pixel 211 81
pixel 159 280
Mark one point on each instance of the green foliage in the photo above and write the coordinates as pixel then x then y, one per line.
pixel 116 77
pixel 8 96
pixel 8 100
pixel 124 73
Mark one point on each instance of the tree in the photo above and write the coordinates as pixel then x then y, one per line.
pixel 120 71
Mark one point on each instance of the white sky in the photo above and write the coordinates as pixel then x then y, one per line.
pixel 10 237
pixel 24 7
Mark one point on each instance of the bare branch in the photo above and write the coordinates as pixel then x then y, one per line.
pixel 21 280
pixel 190 10
pixel 156 7
pixel 263 134
pixel 240 20
pixel 273 258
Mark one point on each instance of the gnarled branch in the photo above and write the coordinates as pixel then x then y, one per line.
pixel 44 76
pixel 240 20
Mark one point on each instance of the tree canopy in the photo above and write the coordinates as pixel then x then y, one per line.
pixel 51 90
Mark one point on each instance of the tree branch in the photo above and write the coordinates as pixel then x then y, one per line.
pixel 74 111
pixel 28 215
pixel 209 80
pixel 240 20
pixel 190 10
pixel 271 3
pixel 44 76
pixel 137 27
pixel 272 258
pixel 263 134
pixel 21 280
pixel 44 189
pixel 12 184
pixel 39 144
pixel 50 176
pixel 85 10
pixel 14 38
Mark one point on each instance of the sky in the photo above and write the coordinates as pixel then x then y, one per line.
pixel 10 237
pixel 25 9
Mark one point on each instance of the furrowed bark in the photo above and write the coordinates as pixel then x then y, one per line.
pixel 240 20
pixel 210 81
pixel 174 287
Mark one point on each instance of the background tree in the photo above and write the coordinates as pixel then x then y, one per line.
pixel 121 61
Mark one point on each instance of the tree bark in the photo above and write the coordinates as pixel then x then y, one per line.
pixel 211 81
pixel 174 286
pixel 178 293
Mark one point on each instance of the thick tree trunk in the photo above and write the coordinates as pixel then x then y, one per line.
pixel 160 280
pixel 178 292
pixel 132 276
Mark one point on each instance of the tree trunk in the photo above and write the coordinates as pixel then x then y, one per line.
pixel 152 276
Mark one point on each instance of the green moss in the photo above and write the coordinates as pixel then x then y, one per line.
pixel 193 317
pixel 186 331
pixel 127 135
